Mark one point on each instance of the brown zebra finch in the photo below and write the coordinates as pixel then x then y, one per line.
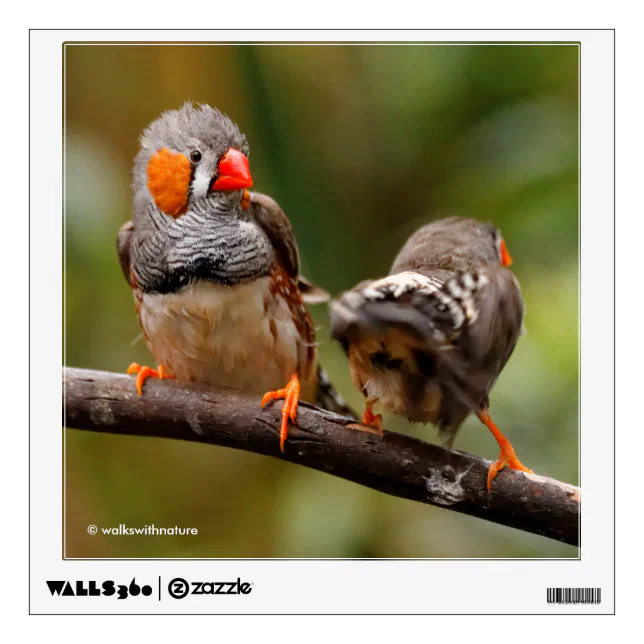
pixel 430 340
pixel 215 269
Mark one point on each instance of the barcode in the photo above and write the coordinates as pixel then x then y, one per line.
pixel 574 595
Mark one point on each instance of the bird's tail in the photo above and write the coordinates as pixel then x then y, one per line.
pixel 413 322
pixel 328 398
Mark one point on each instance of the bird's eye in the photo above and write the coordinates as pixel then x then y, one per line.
pixel 195 156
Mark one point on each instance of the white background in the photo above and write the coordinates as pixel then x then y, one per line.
pixel 13 590
pixel 434 586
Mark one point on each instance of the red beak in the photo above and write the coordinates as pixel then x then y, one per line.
pixel 233 172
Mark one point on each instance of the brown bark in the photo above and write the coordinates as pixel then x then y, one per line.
pixel 394 464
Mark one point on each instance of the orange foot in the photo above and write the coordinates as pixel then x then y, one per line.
pixel 507 457
pixel 142 373
pixel 291 396
pixel 371 423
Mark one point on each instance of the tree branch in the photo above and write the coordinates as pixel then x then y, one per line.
pixel 395 464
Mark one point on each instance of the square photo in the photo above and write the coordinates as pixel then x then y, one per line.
pixel 321 301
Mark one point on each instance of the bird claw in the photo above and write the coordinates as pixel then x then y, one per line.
pixel 507 457
pixel 143 373
pixel 371 423
pixel 378 431
pixel 291 396
pixel 504 461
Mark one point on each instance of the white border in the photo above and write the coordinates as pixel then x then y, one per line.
pixel 369 587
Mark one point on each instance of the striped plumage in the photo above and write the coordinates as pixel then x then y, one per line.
pixel 430 340
pixel 215 269
pixel 215 240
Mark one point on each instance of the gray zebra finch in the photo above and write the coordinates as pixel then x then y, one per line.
pixel 429 341
pixel 215 269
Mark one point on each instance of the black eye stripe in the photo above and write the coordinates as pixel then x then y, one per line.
pixel 191 184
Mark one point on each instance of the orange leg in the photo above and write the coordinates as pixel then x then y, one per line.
pixel 371 423
pixel 507 457
pixel 291 396
pixel 143 373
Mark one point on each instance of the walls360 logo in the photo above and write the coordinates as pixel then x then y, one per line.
pixel 96 589
pixel 180 588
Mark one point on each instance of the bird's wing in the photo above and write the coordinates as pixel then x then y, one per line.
pixel 397 301
pixel 468 325
pixel 271 219
pixel 489 338
pixel 123 246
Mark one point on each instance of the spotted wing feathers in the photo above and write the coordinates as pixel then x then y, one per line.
pixel 464 329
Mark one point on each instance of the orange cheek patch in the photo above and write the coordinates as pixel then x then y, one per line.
pixel 169 181
pixel 506 260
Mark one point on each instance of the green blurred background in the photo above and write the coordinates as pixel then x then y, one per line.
pixel 360 145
